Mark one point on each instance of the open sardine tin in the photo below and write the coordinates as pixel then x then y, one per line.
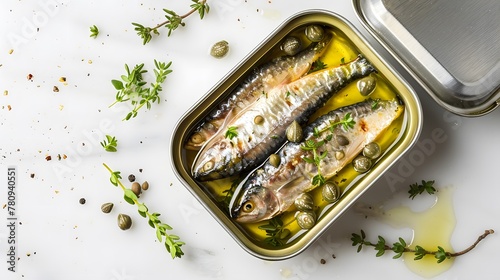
pixel 346 44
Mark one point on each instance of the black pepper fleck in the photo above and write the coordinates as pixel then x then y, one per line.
pixel 131 178
pixel 82 200
pixel 322 261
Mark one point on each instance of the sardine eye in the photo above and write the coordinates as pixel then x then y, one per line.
pixel 208 166
pixel 248 207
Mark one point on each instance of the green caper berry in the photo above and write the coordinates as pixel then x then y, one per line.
pixel 304 202
pixel 107 207
pixel 219 49
pixel 372 150
pixel 274 160
pixel 330 192
pixel 124 221
pixel 362 164
pixel 342 140
pixel 366 85
pixel 291 45
pixel 258 119
pixel 314 33
pixel 305 219
pixel 339 155
pixel 294 132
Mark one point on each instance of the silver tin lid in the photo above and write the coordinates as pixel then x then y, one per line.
pixel 451 47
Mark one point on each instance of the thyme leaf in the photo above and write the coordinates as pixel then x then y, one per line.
pixel 109 144
pixel 416 189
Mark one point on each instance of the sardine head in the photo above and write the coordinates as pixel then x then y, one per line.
pixel 214 162
pixel 255 204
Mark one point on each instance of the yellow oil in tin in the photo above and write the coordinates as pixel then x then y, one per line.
pixel 340 50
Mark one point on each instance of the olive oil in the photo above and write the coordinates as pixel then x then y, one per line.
pixel 431 228
pixel 340 50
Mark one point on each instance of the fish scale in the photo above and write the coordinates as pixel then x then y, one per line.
pixel 271 190
pixel 279 108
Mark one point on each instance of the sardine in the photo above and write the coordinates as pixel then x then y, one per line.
pixel 279 71
pixel 268 191
pixel 242 143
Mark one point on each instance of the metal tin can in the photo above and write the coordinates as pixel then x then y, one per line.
pixel 451 48
pixel 347 42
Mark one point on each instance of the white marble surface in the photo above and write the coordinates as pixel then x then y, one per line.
pixel 61 239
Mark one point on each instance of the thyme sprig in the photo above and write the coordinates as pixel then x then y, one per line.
pixel 276 232
pixel 416 189
pixel 173 21
pixel 313 146
pixel 132 87
pixel 400 247
pixel 110 143
pixel 172 242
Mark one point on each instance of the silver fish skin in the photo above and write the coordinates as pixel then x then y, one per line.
pixel 279 71
pixel 268 191
pixel 223 157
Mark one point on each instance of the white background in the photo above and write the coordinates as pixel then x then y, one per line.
pixel 62 239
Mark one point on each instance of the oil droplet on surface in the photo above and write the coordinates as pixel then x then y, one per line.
pixel 431 228
pixel 286 272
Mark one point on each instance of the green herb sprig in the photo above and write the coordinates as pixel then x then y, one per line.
pixel 94 31
pixel 172 242
pixel 416 189
pixel 276 232
pixel 317 65
pixel 132 87
pixel 400 247
pixel 312 145
pixel 173 21
pixel 231 132
pixel 110 143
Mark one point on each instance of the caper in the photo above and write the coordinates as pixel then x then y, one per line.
pixel 274 160
pixel 294 132
pixel 330 192
pixel 339 155
pixel 315 33
pixel 362 164
pixel 366 85
pixel 304 202
pixel 372 150
pixel 305 219
pixel 107 207
pixel 258 119
pixel 136 188
pixel 341 140
pixel 145 186
pixel 219 49
pixel 291 45
pixel 124 221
